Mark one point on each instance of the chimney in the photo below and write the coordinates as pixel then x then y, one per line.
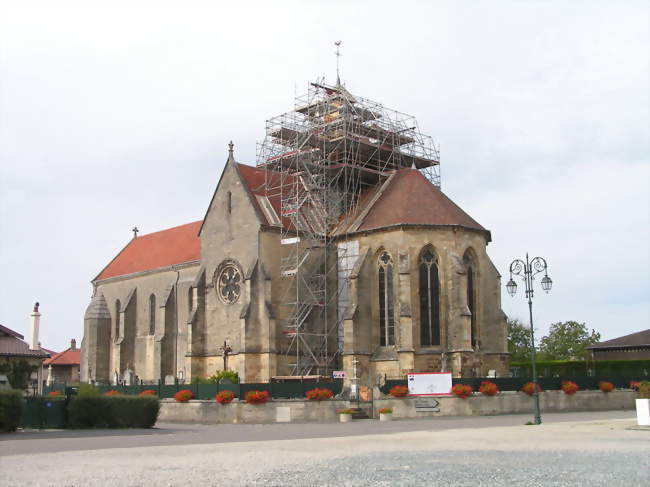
pixel 34 344
pixel 73 344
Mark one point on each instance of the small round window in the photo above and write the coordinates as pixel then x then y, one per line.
pixel 228 284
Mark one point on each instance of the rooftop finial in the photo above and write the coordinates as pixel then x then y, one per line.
pixel 338 56
pixel 135 232
pixel 230 150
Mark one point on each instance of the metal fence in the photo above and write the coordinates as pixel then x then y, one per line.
pixel 276 390
pixel 516 383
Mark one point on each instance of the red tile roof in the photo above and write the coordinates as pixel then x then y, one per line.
pixel 67 357
pixel 409 198
pixel 155 250
pixel 255 181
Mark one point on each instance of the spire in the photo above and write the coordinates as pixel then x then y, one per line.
pixel 338 56
pixel 231 156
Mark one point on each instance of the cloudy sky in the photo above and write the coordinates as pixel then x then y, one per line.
pixel 113 116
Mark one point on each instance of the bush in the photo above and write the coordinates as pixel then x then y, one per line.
pixel 644 389
pixel 569 387
pixel 488 388
pixel 462 390
pixel 11 409
pixel 605 386
pixel 256 397
pixel 87 390
pixel 386 411
pixel 318 394
pixel 148 392
pixel 225 397
pixel 113 411
pixel 184 395
pixel 229 375
pixel 529 388
pixel 398 391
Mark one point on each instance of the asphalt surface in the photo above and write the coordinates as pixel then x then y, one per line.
pixel 569 449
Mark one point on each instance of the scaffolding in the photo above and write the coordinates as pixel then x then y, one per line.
pixel 319 159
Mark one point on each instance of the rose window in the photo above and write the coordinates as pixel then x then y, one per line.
pixel 229 284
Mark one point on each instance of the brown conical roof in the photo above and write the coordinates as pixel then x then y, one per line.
pixel 410 199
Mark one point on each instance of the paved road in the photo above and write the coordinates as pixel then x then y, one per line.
pixel 567 450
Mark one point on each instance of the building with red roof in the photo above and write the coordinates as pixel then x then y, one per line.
pixel 64 367
pixel 338 248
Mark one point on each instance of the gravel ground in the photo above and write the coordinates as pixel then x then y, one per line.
pixel 560 454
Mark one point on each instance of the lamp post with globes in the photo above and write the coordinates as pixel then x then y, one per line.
pixel 527 272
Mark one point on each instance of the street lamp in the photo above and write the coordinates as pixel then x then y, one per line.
pixel 527 271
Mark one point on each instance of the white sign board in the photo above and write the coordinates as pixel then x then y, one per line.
pixel 430 384
pixel 338 374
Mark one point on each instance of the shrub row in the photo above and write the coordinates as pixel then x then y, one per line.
pixel 117 411
pixel 11 410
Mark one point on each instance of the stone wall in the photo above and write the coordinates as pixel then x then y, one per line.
pixel 210 412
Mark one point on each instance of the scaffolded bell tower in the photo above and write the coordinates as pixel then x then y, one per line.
pixel 319 159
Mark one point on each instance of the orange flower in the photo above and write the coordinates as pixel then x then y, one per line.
pixel 225 397
pixel 318 394
pixel 256 397
pixel 605 386
pixel 184 395
pixel 488 388
pixel 112 393
pixel 398 391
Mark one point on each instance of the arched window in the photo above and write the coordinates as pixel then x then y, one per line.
pixel 386 301
pixel 471 296
pixel 429 298
pixel 152 314
pixel 117 318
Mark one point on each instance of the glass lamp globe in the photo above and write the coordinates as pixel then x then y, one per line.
pixel 547 283
pixel 511 287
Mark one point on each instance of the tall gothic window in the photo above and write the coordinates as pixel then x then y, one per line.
pixel 471 297
pixel 152 314
pixel 190 300
pixel 429 298
pixel 117 318
pixel 386 301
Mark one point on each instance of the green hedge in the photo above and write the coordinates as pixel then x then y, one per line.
pixel 113 411
pixel 11 410
pixel 609 368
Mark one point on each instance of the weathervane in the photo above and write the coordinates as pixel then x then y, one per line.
pixel 338 56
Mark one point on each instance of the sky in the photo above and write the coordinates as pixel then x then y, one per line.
pixel 117 114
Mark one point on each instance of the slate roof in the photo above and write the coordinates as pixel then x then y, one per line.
pixel 405 198
pixel 155 250
pixel 640 339
pixel 13 345
pixel 67 357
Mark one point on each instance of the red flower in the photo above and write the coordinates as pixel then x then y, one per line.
pixel 488 388
pixel 54 393
pixel 318 394
pixel 529 388
pixel 256 397
pixel 112 393
pixel 605 386
pixel 569 387
pixel 634 385
pixel 462 390
pixel 184 395
pixel 225 397
pixel 398 391
pixel 148 392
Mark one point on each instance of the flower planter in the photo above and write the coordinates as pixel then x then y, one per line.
pixel 385 416
pixel 345 418
pixel 643 412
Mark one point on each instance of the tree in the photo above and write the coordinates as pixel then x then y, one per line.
pixel 568 341
pixel 519 342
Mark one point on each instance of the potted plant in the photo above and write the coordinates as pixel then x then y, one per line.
pixel 345 415
pixel 385 414
pixel 605 386
pixel 398 391
pixel 488 388
pixel 643 404
pixel 529 388
pixel 462 391
pixel 256 397
pixel 184 395
pixel 318 394
pixel 569 387
pixel 225 397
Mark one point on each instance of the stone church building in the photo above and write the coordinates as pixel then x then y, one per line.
pixel 417 293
